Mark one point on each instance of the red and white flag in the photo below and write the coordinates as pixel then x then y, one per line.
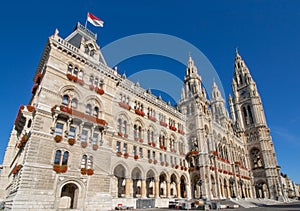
pixel 94 20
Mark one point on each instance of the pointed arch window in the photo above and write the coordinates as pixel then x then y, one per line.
pixel 65 100
pixel 101 83
pixel 120 125
pixel 74 103
pixel 65 158
pixel 250 115
pixel 70 69
pixel 90 163
pixel 57 157
pixel 84 161
pixel 75 71
pixel 91 80
pixel 80 75
pixel 88 109
pixel 124 126
pixel 96 111
pixel 96 82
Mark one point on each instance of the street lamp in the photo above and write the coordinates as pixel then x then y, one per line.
pixel 231 181
pixel 200 182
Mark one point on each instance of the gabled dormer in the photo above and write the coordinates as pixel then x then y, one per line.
pixel 86 41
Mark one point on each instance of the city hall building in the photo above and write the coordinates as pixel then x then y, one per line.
pixel 90 139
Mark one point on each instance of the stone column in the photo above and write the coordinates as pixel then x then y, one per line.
pixel 127 187
pixel 143 187
pixel 156 190
pixel 168 189
pixel 188 191
pixel 178 190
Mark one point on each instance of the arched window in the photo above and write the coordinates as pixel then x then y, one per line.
pixel 57 157
pixel 86 49
pixel 250 115
pixel 92 53
pixel 101 84
pixel 74 103
pixel 91 80
pixel 96 111
pixel 75 71
pixel 65 100
pixel 84 161
pixel 96 82
pixel 119 125
pixel 124 126
pixel 80 75
pixel 70 69
pixel 90 163
pixel 135 131
pixel 65 158
pixel 140 132
pixel 88 109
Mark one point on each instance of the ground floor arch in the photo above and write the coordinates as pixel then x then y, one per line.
pixel 69 195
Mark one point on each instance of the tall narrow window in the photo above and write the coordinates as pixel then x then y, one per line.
pixel 84 161
pixel 65 100
pixel 250 115
pixel 101 84
pixel 90 163
pixel 141 152
pixel 65 158
pixel 124 127
pixel 91 80
pixel 72 132
pixel 80 75
pixel 70 69
pixel 149 154
pixel 88 109
pixel 59 128
pixel 119 125
pixel 96 111
pixel 134 150
pixel 118 146
pixel 125 148
pixel 135 131
pixel 95 138
pixel 96 82
pixel 74 103
pixel 57 157
pixel 84 135
pixel 75 72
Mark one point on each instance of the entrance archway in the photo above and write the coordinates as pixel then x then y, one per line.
pixel 70 192
pixel 150 184
pixel 136 182
pixel 119 173
pixel 183 193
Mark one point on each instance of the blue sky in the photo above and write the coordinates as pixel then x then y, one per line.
pixel 266 33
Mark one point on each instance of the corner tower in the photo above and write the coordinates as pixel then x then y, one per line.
pixel 250 124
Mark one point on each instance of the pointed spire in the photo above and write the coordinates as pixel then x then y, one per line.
pixel 237 55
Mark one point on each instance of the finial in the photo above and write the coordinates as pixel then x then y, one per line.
pixel 237 50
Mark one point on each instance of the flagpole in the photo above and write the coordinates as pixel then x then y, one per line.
pixel 85 22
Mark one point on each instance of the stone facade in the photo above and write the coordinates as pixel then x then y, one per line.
pixel 90 139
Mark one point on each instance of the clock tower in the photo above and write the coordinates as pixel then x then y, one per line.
pixel 247 112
